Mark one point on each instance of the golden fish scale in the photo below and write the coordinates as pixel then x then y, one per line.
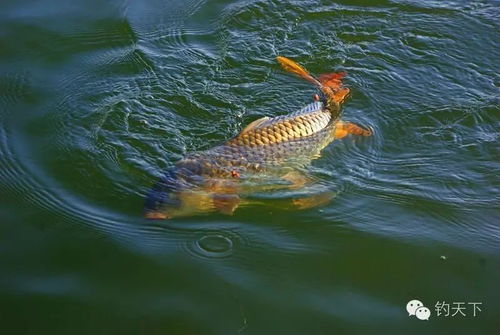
pixel 280 142
pixel 283 130
pixel 223 160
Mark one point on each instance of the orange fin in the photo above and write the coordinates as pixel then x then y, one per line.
pixel 341 94
pixel 329 83
pixel 342 129
pixel 332 86
pixel 332 80
pixel 296 179
pixel 316 200
pixel 226 203
pixel 291 66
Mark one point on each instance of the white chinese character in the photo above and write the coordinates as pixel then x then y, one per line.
pixel 475 306
pixel 458 308
pixel 442 307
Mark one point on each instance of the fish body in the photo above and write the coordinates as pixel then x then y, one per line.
pixel 273 144
pixel 276 147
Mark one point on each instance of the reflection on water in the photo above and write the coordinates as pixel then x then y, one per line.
pixel 97 99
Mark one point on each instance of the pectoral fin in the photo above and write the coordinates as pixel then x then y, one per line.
pixel 313 200
pixel 342 129
pixel 226 203
pixel 291 66
pixel 332 80
pixel 296 179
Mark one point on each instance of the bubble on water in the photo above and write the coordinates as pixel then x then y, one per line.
pixel 213 246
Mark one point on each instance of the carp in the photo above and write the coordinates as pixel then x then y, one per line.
pixel 268 154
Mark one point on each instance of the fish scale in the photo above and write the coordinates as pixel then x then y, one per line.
pixel 288 140
pixel 305 122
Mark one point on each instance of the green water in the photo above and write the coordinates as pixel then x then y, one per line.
pixel 98 98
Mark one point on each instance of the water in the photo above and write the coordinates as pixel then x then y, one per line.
pixel 98 98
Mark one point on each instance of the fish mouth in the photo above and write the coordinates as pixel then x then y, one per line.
pixel 156 215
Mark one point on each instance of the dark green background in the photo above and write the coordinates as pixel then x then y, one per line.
pixel 97 98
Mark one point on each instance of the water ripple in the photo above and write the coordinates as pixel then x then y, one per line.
pixel 132 96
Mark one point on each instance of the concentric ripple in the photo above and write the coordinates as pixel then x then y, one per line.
pixel 213 246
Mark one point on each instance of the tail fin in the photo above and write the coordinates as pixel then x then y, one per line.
pixel 332 86
pixel 332 80
pixel 291 66
pixel 329 83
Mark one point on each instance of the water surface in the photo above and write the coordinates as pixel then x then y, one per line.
pixel 98 98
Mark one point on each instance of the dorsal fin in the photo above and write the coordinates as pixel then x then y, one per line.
pixel 254 124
